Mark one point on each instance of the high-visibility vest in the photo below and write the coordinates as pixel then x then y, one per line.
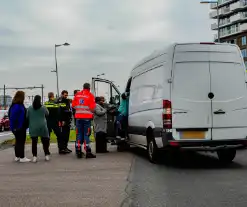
pixel 84 104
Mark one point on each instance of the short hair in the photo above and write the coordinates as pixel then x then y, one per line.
pixel 19 97
pixel 97 99
pixel 75 92
pixel 64 91
pixel 86 86
pixel 50 94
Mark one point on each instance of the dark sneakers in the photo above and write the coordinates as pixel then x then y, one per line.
pixel 62 152
pixel 68 150
pixel 89 154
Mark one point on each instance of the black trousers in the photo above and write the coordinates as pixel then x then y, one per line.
pixel 45 141
pixel 20 139
pixel 101 142
pixel 57 131
pixel 65 135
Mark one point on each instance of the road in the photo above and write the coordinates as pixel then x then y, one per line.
pixel 64 180
pixel 5 135
pixel 193 180
pixel 123 179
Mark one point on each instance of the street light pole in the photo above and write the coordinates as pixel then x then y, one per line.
pixel 56 71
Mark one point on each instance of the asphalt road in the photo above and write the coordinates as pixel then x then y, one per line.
pixel 193 180
pixel 64 181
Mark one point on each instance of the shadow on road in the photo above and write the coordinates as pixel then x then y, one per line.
pixel 188 160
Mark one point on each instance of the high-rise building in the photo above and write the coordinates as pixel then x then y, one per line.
pixel 232 23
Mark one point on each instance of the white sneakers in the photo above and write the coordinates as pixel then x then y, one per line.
pixel 17 159
pixel 34 160
pixel 24 160
pixel 47 158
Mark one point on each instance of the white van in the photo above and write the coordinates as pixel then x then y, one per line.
pixel 189 96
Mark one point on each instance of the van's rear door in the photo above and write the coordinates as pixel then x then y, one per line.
pixel 191 107
pixel 229 105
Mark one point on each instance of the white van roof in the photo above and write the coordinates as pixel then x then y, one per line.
pixel 170 49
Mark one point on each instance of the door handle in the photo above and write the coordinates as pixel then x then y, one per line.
pixel 219 112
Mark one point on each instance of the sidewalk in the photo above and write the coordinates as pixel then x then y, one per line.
pixel 64 180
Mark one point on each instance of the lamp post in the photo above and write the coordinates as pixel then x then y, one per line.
pixel 218 18
pixel 56 70
pixel 97 93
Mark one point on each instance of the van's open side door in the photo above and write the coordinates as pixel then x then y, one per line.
pixel 107 89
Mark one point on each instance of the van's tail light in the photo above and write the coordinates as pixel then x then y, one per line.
pixel 167 114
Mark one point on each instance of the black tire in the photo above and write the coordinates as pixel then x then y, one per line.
pixel 153 151
pixel 2 128
pixel 226 156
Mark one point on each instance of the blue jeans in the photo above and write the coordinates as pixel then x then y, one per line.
pixel 121 125
pixel 83 133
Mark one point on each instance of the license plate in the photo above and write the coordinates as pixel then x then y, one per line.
pixel 192 135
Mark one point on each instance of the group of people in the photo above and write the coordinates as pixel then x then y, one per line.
pixel 56 115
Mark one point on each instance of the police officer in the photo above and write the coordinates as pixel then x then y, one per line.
pixel 53 119
pixel 84 104
pixel 65 119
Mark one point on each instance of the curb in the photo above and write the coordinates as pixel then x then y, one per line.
pixel 6 144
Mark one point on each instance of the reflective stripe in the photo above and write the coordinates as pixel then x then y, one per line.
pixel 62 104
pixel 51 106
pixel 83 112
pixel 81 107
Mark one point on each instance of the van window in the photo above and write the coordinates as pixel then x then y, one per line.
pixel 148 85
pixel 103 89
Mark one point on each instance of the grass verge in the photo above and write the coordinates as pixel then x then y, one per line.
pixel 53 138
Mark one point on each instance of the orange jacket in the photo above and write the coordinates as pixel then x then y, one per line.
pixel 84 104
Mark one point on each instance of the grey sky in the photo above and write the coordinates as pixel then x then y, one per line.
pixel 106 36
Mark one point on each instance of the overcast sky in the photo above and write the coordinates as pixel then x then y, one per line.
pixel 106 36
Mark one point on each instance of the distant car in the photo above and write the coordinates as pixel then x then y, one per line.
pixel 4 121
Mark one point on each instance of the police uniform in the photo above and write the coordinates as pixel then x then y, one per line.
pixel 66 117
pixel 52 121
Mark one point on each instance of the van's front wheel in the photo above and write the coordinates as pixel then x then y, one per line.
pixel 153 151
pixel 226 156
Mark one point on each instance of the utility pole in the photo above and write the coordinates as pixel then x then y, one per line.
pixel 4 96
pixel 56 70
pixel 42 93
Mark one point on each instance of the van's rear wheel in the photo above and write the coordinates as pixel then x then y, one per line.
pixel 153 151
pixel 226 156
